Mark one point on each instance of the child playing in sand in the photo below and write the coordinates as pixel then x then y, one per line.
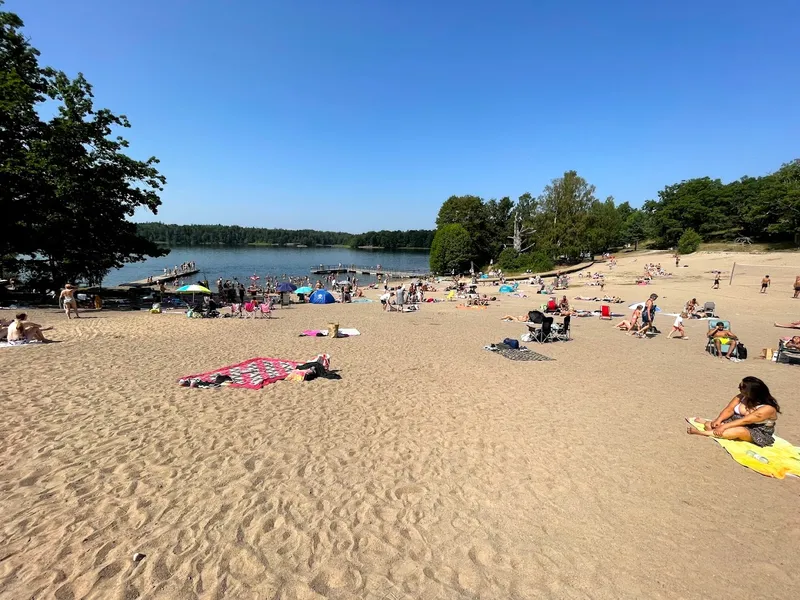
pixel 677 327
pixel 750 416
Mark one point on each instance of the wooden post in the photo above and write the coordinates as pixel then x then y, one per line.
pixel 730 281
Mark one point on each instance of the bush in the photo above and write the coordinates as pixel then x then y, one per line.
pixel 510 260
pixel 689 242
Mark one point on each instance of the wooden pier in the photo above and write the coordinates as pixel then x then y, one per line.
pixel 374 271
pixel 156 279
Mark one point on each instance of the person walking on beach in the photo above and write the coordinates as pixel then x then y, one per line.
pixel 70 303
pixel 647 316
pixel 765 284
pixel 677 327
pixel 796 287
pixel 716 281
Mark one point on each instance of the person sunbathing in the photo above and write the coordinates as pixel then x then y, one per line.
pixel 794 343
pixel 691 307
pixel 22 331
pixel 521 318
pixel 794 325
pixel 722 336
pixel 633 323
pixel 749 417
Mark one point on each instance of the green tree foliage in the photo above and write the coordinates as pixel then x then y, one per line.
pixel 763 208
pixel 233 235
pixel 689 242
pixel 634 229
pixel 512 261
pixel 451 249
pixel 394 240
pixel 68 187
pixel 563 215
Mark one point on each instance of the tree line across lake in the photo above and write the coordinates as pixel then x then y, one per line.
pixel 234 235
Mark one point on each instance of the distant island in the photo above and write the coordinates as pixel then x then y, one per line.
pixel 171 235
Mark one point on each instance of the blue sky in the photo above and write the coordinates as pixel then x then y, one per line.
pixel 367 114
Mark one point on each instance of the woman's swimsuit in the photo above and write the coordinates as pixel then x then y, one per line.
pixel 762 433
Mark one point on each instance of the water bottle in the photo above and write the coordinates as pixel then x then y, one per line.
pixel 758 457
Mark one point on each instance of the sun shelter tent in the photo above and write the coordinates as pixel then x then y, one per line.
pixel 321 297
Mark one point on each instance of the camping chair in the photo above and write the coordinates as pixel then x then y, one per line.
pixel 605 312
pixel 546 333
pixel 250 309
pixel 451 296
pixel 561 330
pixel 236 309
pixel 710 347
pixel 265 309
pixel 785 354
pixel 285 299
pixel 708 309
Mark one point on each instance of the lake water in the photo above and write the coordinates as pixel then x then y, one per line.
pixel 245 261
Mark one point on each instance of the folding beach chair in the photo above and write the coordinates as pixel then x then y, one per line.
pixel 708 309
pixel 546 333
pixel 788 355
pixel 710 347
pixel 605 312
pixel 250 310
pixel 265 309
pixel 561 330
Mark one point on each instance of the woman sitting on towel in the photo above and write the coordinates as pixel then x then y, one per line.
pixel 750 416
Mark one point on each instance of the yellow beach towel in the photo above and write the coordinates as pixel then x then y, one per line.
pixel 781 458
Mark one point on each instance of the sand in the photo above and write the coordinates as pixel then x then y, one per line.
pixel 433 469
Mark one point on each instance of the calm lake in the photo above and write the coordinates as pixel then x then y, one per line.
pixel 248 260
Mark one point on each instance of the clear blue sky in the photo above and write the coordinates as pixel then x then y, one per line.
pixel 367 114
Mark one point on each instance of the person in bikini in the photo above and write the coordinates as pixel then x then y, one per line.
pixel 794 343
pixel 722 336
pixel 22 331
pixel 70 302
pixel 794 325
pixel 648 314
pixel 749 417
pixel 633 322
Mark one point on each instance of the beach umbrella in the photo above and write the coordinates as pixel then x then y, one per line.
pixel 193 289
pixel 505 289
pixel 303 290
pixel 285 287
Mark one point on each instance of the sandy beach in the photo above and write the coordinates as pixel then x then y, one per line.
pixel 432 470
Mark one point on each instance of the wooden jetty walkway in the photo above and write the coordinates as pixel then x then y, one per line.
pixel 375 271
pixel 156 279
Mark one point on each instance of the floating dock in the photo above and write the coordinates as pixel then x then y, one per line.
pixel 159 278
pixel 374 271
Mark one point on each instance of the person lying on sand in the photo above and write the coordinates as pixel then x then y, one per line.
pixel 22 331
pixel 633 322
pixel 750 416
pixel 794 343
pixel 522 318
pixel 795 325
pixel 722 336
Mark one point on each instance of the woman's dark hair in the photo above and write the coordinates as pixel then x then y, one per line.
pixel 21 316
pixel 755 392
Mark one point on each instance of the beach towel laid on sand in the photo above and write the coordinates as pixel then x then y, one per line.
pixel 521 354
pixel 779 460
pixel 252 374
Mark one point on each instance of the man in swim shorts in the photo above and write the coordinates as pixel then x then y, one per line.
pixel 722 336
